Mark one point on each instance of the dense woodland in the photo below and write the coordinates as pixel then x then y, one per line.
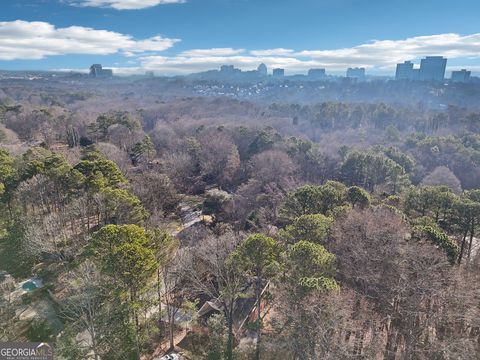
pixel 233 229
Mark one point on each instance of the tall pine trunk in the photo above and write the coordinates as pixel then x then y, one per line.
pixel 258 295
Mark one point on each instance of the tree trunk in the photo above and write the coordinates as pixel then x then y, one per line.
pixel 159 293
pixel 258 295
pixel 172 331
pixel 462 247
pixel 472 232
pixel 94 345
pixel 135 317
pixel 229 352
pixel 391 345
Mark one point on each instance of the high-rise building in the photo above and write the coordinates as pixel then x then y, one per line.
pixel 96 70
pixel 405 71
pixel 228 69
pixel 356 72
pixel 432 68
pixel 415 74
pixel 316 73
pixel 461 76
pixel 278 72
pixel 262 69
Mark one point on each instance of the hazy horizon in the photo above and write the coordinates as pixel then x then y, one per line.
pixel 176 37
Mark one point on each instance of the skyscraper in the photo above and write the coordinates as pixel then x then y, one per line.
pixel 405 71
pixel 227 69
pixel 432 68
pixel 96 70
pixel 356 72
pixel 316 73
pixel 461 76
pixel 262 69
pixel 278 72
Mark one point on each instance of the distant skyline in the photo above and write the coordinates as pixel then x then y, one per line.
pixel 179 37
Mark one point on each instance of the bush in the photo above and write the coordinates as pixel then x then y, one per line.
pixel 439 238
pixel 39 330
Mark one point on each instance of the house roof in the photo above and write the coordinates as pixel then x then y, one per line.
pixel 209 306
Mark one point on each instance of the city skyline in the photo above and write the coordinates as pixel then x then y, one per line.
pixel 431 69
pixel 67 34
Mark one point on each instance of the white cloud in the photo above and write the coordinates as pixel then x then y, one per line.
pixel 186 64
pixel 272 52
pixel 36 40
pixel 212 52
pixel 125 4
pixel 378 55
pixel 386 53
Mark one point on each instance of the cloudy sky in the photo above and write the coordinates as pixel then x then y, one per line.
pixel 184 36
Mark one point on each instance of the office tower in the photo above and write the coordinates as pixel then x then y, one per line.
pixel 262 69
pixel 432 68
pixel 227 69
pixel 405 71
pixel 461 76
pixel 316 73
pixel 96 70
pixel 356 72
pixel 278 72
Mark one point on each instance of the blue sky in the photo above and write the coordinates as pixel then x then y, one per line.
pixel 183 36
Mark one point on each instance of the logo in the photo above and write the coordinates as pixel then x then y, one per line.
pixel 25 351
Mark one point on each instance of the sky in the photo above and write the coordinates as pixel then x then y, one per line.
pixel 173 37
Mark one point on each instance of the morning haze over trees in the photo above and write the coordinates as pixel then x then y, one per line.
pixel 231 215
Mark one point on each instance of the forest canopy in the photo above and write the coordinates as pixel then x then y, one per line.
pixel 238 229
